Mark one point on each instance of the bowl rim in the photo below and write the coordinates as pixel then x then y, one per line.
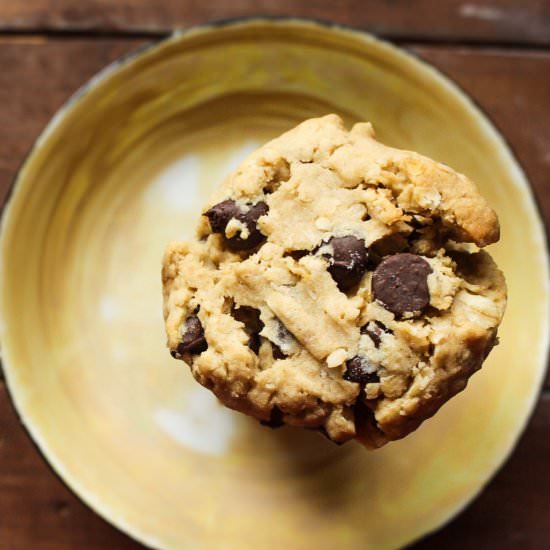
pixel 490 127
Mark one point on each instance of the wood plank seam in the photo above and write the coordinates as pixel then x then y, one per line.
pixel 153 34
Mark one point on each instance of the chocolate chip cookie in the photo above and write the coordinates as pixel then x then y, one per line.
pixel 337 284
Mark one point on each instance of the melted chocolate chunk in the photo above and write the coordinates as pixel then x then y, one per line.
pixel 222 213
pixel 358 370
pixel 277 352
pixel 250 317
pixel 254 342
pixel 193 340
pixel 374 330
pixel 297 254
pixel 276 419
pixel 400 282
pixel 250 219
pixel 386 246
pixel 348 261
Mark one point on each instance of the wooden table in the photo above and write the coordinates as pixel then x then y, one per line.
pixel 498 50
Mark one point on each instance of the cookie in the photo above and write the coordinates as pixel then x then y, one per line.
pixel 337 284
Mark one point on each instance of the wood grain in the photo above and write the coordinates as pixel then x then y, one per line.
pixel 497 21
pixel 37 77
pixel 37 511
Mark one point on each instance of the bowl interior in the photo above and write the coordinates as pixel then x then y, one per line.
pixel 122 171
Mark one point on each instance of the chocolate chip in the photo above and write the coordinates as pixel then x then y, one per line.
pixel 250 317
pixel 415 222
pixel 297 254
pixel 221 214
pixel 193 340
pixel 277 352
pixel 400 282
pixel 348 261
pixel 275 420
pixel 386 246
pixel 358 370
pixel 254 342
pixel 374 330
pixel 250 218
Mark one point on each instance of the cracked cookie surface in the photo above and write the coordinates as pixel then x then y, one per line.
pixel 337 284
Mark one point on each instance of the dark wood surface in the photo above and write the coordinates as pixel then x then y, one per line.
pixel 498 51
pixel 507 21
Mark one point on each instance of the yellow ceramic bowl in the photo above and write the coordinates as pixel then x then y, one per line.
pixel 122 170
